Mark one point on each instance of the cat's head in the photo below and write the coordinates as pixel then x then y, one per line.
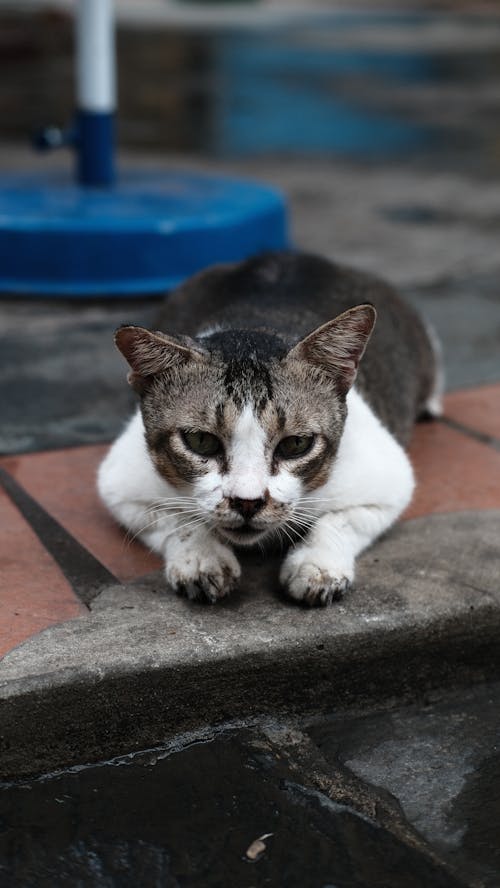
pixel 243 426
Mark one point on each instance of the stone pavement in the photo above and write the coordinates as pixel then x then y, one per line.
pixel 234 808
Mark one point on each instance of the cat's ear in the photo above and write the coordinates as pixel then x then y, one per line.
pixel 150 353
pixel 338 346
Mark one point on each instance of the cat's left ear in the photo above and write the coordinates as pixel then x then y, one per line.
pixel 149 353
pixel 338 346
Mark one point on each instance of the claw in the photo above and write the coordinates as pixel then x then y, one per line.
pixel 326 594
pixel 205 588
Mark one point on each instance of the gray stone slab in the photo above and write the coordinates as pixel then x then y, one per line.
pixel 62 382
pixel 145 665
pixel 441 762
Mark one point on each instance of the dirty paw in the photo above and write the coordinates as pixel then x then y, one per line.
pixel 205 576
pixel 207 587
pixel 313 585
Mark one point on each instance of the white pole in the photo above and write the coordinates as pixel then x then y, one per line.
pixel 95 56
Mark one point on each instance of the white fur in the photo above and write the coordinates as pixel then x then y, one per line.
pixel 249 474
pixel 434 403
pixel 151 508
pixel 216 328
pixel 370 485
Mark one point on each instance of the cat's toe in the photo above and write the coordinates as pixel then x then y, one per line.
pixel 204 589
pixel 314 586
pixel 214 587
pixel 325 591
pixel 204 577
pixel 207 588
pixel 211 590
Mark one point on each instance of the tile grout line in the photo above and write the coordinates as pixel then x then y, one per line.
pixel 488 440
pixel 85 574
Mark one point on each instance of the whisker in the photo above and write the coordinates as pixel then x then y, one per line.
pixel 164 504
pixel 180 506
pixel 306 521
pixel 316 501
pixel 196 522
pixel 277 535
pixel 197 519
pixel 306 516
pixel 178 496
pixel 278 532
pixel 284 529
pixel 130 539
pixel 175 510
pixel 314 497
pixel 333 534
pixel 299 532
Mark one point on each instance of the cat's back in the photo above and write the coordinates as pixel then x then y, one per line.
pixel 290 294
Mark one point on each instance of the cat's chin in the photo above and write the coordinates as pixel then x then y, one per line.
pixel 241 536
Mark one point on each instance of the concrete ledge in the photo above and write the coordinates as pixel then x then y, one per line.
pixel 146 665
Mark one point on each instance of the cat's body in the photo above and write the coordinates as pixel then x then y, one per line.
pixel 250 425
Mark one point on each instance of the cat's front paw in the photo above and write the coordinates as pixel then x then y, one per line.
pixel 307 576
pixel 207 572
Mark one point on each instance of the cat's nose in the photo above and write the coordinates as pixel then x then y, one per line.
pixel 247 508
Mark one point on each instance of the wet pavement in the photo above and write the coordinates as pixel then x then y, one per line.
pixel 384 770
pixel 191 817
pixel 402 796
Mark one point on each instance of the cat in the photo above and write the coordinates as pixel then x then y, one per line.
pixel 257 420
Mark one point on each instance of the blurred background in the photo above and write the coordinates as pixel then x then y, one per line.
pixel 379 122
pixel 244 78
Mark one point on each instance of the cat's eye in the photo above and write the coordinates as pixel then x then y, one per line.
pixel 202 443
pixel 294 445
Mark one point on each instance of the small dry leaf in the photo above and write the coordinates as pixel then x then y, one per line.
pixel 257 847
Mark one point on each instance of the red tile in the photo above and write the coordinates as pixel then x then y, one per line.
pixel 63 482
pixel 454 472
pixel 35 594
pixel 477 408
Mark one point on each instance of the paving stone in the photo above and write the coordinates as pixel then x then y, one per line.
pixel 477 409
pixel 35 594
pixel 64 483
pixel 453 471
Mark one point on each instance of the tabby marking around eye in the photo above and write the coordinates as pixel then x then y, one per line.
pixel 202 443
pixel 294 446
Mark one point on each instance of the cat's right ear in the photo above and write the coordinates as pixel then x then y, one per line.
pixel 338 346
pixel 149 353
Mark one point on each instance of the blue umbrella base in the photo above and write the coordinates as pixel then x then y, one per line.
pixel 142 236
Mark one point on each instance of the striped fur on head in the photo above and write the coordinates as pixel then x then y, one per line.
pixel 249 391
